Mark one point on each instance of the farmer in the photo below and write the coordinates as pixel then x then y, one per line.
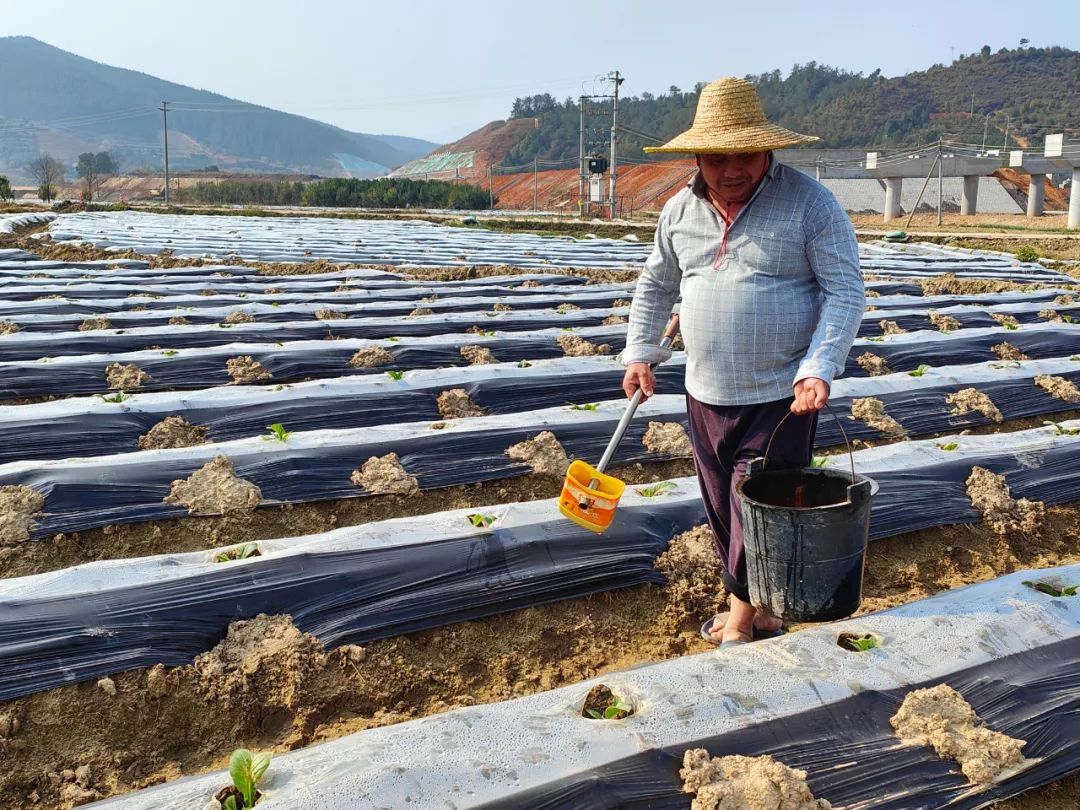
pixel 767 267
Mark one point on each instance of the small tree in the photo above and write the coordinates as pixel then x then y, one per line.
pixel 48 172
pixel 5 189
pixel 92 169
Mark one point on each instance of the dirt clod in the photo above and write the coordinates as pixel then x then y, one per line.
pixel 1065 300
pixel 327 314
pixel 950 284
pixel 238 316
pixel 108 686
pixel 543 453
pixel 1058 387
pixel 502 308
pixel 990 497
pixel 173 431
pixel 384 475
pixel 18 506
pixel 456 404
pixel 621 302
pixel 873 364
pixel 157 683
pixel 1004 320
pixel 90 324
pixel 667 439
pixel 613 320
pixel 246 369
pixel 125 377
pixel 940 718
pixel 214 489
pixel 736 782
pixel 693 571
pixel 9 328
pixel 179 320
pixel 872 411
pixel 421 311
pixel 478 355
pixel 891 328
pixel 371 357
pixel 1050 315
pixel 944 323
pixel 1006 351
pixel 577 346
pixel 972 400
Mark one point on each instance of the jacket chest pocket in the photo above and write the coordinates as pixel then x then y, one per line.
pixel 772 251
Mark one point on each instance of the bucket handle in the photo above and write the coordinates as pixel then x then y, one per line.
pixel 851 455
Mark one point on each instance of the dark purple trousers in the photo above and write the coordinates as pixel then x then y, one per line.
pixel 725 439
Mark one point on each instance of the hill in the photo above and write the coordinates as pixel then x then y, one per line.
pixel 1028 90
pixel 65 104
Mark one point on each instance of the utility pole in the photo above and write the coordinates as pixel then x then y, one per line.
pixel 616 79
pixel 491 193
pixel 986 126
pixel 165 115
pixel 581 159
pixel 534 184
pixel 939 182
pixel 1005 147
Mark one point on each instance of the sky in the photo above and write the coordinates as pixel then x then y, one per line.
pixel 438 70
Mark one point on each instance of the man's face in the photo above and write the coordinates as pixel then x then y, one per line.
pixel 733 178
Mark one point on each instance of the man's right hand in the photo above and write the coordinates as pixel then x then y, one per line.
pixel 639 375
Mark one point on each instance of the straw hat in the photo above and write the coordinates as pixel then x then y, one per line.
pixel 730 119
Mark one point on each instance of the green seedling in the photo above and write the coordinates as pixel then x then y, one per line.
pixel 396 375
pixel 920 371
pixel 1061 430
pixel 116 398
pixel 611 712
pixel 819 461
pixel 879 339
pixel 246 770
pixel 278 343
pixel 1006 364
pixel 393 339
pixel 850 641
pixel 655 490
pixel 524 364
pixel 170 353
pixel 481 520
pixel 1068 319
pixel 949 446
pixel 275 304
pixel 225 325
pixel 490 314
pixel 485 333
pixel 588 406
pixel 278 431
pixel 567 328
pixel 1011 326
pixel 1051 590
pixel 238 553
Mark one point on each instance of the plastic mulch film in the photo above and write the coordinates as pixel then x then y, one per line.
pixel 340 590
pixel 9 223
pixel 303 239
pixel 800 699
pixel 33 345
pixel 103 425
pixel 351 585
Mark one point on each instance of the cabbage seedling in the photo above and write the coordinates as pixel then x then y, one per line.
pixel 949 446
pixel 1050 590
pixel 116 398
pixel 170 353
pixel 246 769
pixel 524 364
pixel 396 375
pixel 655 490
pixel 278 431
pixel 611 712
pixel 587 406
pixel 1061 430
pixel 1011 326
pixel 819 461
pixel 1068 318
pixel 879 339
pixel 1007 364
pixel 920 371
pixel 481 520
pixel 863 643
pixel 238 553
pixel 393 339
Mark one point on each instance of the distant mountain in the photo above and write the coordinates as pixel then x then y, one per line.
pixel 64 104
pixel 1029 91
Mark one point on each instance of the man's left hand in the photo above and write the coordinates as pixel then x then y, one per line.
pixel 811 394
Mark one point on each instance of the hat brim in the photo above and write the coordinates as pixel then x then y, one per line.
pixel 742 140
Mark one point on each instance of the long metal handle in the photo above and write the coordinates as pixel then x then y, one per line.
pixel 669 335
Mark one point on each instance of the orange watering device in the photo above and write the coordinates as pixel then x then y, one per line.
pixel 589 497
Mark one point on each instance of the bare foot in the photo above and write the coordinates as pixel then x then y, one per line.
pixel 743 619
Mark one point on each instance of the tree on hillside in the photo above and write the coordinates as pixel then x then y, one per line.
pixel 92 168
pixel 48 173
pixel 5 189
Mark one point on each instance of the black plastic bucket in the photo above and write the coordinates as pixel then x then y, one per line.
pixel 805 533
